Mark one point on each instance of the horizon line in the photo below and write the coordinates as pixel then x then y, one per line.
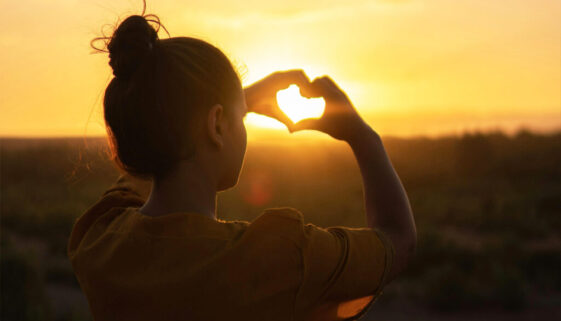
pixel 512 133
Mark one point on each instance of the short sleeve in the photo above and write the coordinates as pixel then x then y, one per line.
pixel 344 271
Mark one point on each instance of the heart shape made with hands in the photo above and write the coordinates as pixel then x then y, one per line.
pixel 297 107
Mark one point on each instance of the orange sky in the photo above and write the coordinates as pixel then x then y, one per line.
pixel 411 67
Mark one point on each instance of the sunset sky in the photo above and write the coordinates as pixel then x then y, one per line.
pixel 411 67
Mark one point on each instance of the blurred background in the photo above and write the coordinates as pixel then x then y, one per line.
pixel 466 95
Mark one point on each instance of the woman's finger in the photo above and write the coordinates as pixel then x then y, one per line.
pixel 319 87
pixel 286 78
pixel 283 118
pixel 312 90
pixel 331 83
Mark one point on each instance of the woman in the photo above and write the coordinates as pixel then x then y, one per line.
pixel 155 250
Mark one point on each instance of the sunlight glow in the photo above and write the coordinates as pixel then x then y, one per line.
pixel 409 67
pixel 297 107
pixel 263 121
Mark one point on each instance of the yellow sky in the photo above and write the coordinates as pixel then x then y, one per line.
pixel 411 67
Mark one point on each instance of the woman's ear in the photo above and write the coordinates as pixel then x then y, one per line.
pixel 215 125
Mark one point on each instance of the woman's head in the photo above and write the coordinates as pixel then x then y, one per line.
pixel 172 100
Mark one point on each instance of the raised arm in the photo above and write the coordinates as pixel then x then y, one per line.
pixel 387 205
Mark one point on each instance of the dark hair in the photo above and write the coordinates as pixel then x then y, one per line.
pixel 161 87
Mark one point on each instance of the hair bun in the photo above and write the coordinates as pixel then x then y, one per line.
pixel 130 44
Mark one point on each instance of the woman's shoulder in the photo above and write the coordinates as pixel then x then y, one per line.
pixel 279 217
pixel 279 222
pixel 282 213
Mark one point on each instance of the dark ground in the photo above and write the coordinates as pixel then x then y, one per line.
pixel 488 211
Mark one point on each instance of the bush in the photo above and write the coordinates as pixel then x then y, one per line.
pixel 23 293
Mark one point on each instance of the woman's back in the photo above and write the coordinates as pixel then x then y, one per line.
pixel 187 266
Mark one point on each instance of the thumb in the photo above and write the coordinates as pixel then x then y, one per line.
pixel 310 123
pixel 283 118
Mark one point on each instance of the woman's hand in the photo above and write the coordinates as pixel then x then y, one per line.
pixel 340 119
pixel 261 97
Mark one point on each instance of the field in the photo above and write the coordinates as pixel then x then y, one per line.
pixel 487 206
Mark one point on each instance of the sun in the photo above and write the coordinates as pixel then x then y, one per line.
pixel 297 107
pixel 293 105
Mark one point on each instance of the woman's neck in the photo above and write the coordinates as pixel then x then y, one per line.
pixel 188 188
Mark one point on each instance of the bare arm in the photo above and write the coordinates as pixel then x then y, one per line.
pixel 387 205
